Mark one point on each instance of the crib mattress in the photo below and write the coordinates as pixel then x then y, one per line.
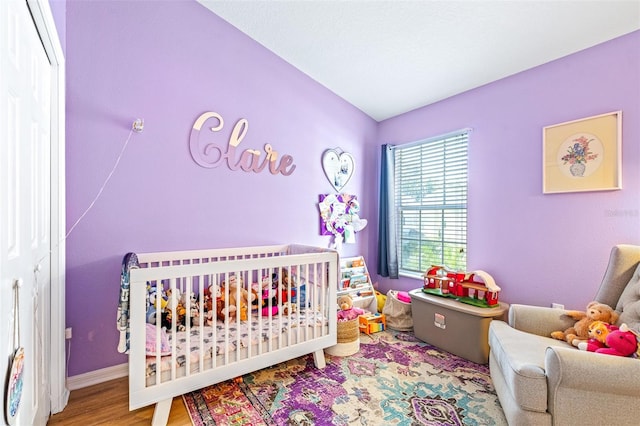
pixel 231 343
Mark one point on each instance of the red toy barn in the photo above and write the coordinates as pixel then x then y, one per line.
pixel 477 286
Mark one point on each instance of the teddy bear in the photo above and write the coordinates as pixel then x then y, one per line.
pixel 579 332
pixel 232 306
pixel 347 311
pixel 620 342
pixel 598 332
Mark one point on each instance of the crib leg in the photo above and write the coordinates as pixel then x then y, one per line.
pixel 161 413
pixel 318 359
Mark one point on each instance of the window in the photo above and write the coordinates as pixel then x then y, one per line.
pixel 430 203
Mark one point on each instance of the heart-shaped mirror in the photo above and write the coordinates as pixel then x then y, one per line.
pixel 338 166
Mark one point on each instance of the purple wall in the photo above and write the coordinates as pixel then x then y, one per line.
pixel 539 248
pixel 168 62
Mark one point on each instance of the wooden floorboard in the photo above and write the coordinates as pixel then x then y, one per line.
pixel 108 404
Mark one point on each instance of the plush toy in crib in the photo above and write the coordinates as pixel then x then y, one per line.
pixel 152 302
pixel 212 309
pixel 289 308
pixel 213 305
pixel 173 305
pixel 284 286
pixel 347 311
pixel 168 319
pixel 267 300
pixel 230 309
pixel 173 298
pixel 194 309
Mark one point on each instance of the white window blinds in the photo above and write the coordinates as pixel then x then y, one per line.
pixel 431 203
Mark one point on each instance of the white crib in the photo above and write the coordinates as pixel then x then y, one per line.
pixel 200 350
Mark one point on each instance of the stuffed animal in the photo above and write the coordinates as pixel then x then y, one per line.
pixel 268 296
pixel 152 302
pixel 347 311
pixel 228 307
pixel 194 308
pixel 579 332
pixel 621 342
pixel 173 311
pixel 598 332
pixel 289 308
pixel 231 308
pixel 280 286
pixel 173 298
pixel 213 305
pixel 168 318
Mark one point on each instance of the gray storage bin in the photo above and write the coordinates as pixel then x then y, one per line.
pixel 454 326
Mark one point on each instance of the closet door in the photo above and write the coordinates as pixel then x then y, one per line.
pixel 25 123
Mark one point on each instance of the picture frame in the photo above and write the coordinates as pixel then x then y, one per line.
pixel 583 155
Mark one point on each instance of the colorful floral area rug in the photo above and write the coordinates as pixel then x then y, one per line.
pixel 394 379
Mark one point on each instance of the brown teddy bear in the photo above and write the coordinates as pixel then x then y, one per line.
pixel 579 332
pixel 234 308
pixel 347 311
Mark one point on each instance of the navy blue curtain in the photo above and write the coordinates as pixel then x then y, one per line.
pixel 387 253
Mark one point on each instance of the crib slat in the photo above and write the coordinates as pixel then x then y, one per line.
pixel 238 313
pixel 214 329
pixel 172 286
pixel 201 315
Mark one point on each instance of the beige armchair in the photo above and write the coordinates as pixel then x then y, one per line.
pixel 542 381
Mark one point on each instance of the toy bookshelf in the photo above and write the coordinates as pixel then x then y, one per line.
pixel 356 282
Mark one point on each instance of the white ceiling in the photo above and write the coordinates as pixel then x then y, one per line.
pixel 390 57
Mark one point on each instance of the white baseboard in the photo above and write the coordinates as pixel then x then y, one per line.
pixel 98 376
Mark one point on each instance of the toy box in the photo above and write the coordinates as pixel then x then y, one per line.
pixel 453 326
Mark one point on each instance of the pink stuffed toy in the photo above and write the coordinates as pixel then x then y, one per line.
pixel 621 342
pixel 268 296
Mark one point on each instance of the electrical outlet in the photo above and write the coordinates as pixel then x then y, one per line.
pixel 557 306
pixel 67 333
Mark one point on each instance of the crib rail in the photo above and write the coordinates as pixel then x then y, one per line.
pixel 205 295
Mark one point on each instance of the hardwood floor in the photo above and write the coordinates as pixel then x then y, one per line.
pixel 108 404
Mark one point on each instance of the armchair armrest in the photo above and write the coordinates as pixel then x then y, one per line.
pixel 581 383
pixel 576 369
pixel 538 320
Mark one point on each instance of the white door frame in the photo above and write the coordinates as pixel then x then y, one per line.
pixel 45 25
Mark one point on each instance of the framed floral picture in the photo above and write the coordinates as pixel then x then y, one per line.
pixel 583 155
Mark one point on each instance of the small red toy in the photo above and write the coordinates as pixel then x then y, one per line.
pixel 621 342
